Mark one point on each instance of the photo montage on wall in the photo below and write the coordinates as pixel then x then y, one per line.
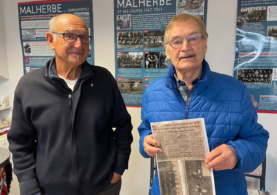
pixel 256 52
pixel 139 41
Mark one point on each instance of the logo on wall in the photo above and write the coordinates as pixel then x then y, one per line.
pixel 254 102
pixel 27 59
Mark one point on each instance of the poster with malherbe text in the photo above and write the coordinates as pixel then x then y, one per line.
pixel 34 19
pixel 139 27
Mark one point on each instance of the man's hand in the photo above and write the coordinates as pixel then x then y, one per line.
pixel 221 158
pixel 149 146
pixel 116 177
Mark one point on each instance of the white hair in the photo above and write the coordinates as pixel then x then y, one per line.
pixel 52 26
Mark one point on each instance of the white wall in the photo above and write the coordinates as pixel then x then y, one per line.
pixel 221 26
pixel 4 70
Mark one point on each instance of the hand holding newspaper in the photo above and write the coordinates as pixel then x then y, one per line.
pixel 181 167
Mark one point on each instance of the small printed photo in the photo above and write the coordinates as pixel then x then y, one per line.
pixel 253 14
pixel 124 22
pixel 130 86
pixel 130 60
pixel 192 7
pixel 198 177
pixel 164 62
pixel 27 47
pixel 154 39
pixel 272 31
pixel 29 34
pixel 130 39
pixel 84 16
pixel 169 177
pixel 152 60
pixel 254 75
pixel 27 69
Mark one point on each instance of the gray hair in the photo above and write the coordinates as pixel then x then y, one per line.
pixel 183 18
pixel 52 26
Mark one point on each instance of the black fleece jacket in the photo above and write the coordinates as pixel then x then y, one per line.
pixel 62 141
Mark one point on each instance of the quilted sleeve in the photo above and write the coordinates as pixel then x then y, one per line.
pixel 144 128
pixel 251 142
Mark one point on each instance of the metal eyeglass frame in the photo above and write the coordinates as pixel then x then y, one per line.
pixel 187 38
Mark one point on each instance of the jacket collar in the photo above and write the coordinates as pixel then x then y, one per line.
pixel 52 72
pixel 171 84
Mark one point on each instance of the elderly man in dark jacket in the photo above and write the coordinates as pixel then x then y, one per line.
pixel 62 137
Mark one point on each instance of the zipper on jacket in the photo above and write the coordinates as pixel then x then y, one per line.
pixel 76 185
pixel 69 100
pixel 187 112
pixel 187 106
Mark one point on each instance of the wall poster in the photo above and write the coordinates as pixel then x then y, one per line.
pixel 33 24
pixel 139 34
pixel 256 52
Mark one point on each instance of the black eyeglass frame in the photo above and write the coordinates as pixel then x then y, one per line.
pixel 63 34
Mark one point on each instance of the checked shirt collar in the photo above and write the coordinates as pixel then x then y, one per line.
pixel 183 89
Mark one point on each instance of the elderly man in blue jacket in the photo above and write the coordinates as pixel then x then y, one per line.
pixel 191 90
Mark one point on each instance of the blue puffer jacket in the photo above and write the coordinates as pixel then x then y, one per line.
pixel 230 118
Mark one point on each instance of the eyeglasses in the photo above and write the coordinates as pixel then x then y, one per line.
pixel 71 38
pixel 176 43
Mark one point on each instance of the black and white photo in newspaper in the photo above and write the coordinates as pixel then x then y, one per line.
pixel 181 167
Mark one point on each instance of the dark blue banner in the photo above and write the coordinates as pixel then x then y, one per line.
pixel 256 52
pixel 139 41
pixel 34 24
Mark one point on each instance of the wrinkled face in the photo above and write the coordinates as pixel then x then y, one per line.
pixel 71 53
pixel 187 57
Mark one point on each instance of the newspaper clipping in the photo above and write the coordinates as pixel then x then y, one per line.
pixel 181 167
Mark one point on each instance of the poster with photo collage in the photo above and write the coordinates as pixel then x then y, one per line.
pixel 139 30
pixel 34 19
pixel 256 52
